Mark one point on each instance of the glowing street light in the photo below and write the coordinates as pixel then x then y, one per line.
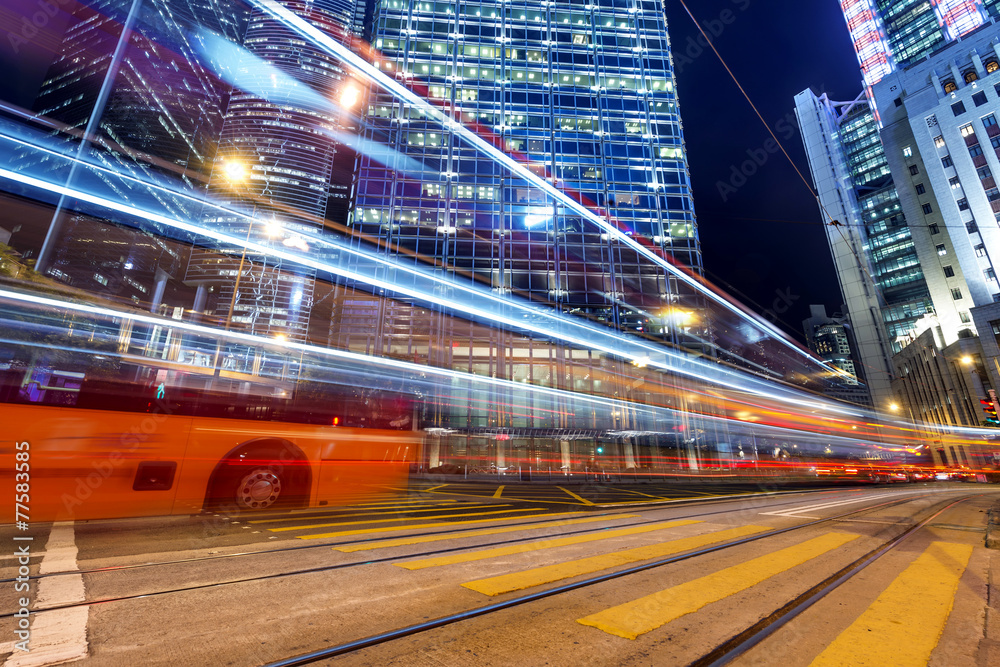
pixel 894 407
pixel 272 228
pixel 350 96
pixel 235 172
pixel 966 360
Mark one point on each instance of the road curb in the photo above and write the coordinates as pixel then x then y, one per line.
pixel 993 527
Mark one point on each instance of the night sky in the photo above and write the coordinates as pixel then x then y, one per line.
pixel 776 48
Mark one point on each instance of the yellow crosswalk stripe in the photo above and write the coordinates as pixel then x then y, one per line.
pixel 379 511
pixel 545 575
pixel 538 546
pixel 498 491
pixel 573 495
pixel 371 506
pixel 640 616
pixel 422 539
pixel 399 518
pixel 367 531
pixel 904 624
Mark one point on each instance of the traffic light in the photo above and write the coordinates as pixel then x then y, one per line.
pixel 990 408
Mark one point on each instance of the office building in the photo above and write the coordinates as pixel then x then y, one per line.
pixel 914 248
pixel 585 94
pixel 832 339
pixel 880 275
pixel 280 163
pixel 131 75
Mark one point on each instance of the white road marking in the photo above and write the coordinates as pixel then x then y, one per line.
pixel 795 512
pixel 56 636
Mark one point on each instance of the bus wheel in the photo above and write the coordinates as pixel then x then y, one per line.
pixel 258 489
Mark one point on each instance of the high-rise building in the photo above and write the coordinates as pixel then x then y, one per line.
pixel 279 160
pixel 915 251
pixel 893 34
pixel 582 94
pixel 832 339
pixel 586 96
pixel 129 72
pixel 880 275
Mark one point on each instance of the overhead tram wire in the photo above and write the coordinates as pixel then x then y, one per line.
pixel 833 221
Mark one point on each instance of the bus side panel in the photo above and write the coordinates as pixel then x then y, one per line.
pixel 360 462
pixel 212 440
pixel 83 463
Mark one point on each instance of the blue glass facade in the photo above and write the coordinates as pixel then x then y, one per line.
pixel 892 258
pixel 584 95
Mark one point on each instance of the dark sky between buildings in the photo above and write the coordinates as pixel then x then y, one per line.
pixel 776 48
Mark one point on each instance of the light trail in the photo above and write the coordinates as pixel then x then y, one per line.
pixel 377 77
pixel 581 334
pixel 603 403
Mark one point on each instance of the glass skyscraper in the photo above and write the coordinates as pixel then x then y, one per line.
pixel 585 96
pixel 130 71
pixel 880 274
pixel 278 159
pixel 898 33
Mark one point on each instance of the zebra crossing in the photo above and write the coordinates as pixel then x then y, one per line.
pixel 522 550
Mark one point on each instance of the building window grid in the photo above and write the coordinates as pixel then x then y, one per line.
pixel 674 156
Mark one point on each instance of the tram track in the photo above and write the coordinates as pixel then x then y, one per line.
pixel 618 511
pixel 741 643
pixel 423 627
pixel 723 653
pixel 354 646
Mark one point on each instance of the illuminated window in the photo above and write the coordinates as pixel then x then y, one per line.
pixel 992 66
pixel 950 86
pixel 941 249
pixel 939 142
pixel 967 130
pixel 970 76
pixel 908 152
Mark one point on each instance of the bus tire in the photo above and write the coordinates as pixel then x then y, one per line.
pixel 260 476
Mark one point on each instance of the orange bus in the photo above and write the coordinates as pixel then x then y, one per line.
pixel 121 451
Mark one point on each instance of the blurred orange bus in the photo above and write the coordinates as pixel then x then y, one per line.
pixel 123 452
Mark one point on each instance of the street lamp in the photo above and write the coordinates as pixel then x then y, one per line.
pixel 349 96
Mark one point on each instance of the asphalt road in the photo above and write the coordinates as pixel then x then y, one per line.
pixel 491 574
